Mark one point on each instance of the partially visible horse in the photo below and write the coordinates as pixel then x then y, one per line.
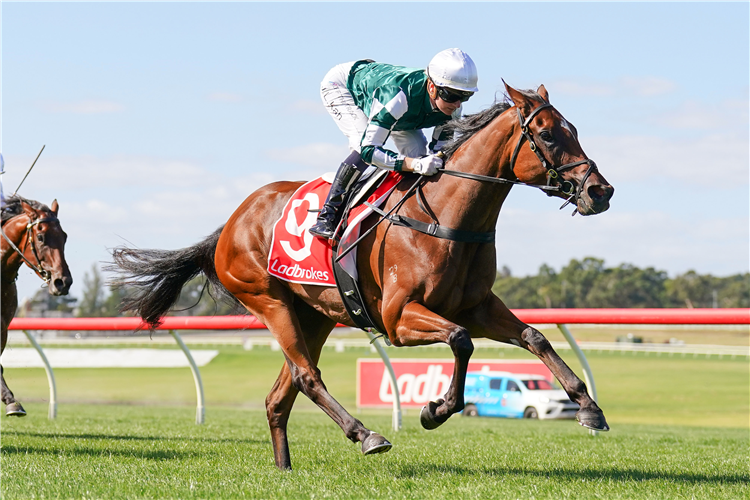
pixel 31 234
pixel 418 289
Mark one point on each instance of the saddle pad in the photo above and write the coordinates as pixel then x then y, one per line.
pixel 298 256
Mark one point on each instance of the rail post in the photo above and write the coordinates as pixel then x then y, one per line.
pixel 52 414
pixel 394 381
pixel 588 375
pixel 200 411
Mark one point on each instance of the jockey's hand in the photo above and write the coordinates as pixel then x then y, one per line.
pixel 426 165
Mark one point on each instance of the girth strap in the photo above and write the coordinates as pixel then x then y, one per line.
pixel 436 230
pixel 446 233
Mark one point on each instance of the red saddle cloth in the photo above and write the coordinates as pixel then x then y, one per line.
pixel 298 256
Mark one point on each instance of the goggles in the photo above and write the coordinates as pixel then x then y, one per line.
pixel 450 95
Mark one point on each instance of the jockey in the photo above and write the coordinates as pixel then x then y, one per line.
pixel 372 101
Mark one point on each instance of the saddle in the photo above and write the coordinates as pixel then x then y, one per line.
pixel 299 257
pixel 347 284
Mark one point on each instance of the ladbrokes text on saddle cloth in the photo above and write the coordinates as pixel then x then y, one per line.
pixel 298 256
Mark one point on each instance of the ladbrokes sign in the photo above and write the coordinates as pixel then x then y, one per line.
pixel 423 380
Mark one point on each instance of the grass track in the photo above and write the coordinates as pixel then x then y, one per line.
pixel 680 430
pixel 108 451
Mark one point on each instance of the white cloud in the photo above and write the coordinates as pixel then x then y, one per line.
pixel 322 156
pixel 87 171
pixel 719 246
pixel 647 86
pixel 308 106
pixel 714 160
pixel 693 115
pixel 85 107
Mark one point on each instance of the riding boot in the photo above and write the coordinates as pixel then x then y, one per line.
pixel 330 214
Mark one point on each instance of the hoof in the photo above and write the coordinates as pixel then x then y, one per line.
pixel 592 419
pixel 375 443
pixel 15 410
pixel 427 415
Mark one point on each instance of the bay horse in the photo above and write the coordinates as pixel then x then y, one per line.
pixel 31 234
pixel 418 289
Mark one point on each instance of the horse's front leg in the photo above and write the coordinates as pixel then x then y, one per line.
pixel 12 407
pixel 420 326
pixel 495 321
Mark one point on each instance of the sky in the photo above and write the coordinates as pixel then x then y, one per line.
pixel 158 119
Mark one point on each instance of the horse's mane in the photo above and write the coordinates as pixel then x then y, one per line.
pixel 466 127
pixel 13 207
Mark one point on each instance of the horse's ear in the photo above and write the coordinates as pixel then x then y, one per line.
pixel 28 209
pixel 520 100
pixel 542 91
pixel 54 207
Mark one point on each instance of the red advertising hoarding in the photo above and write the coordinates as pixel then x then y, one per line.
pixel 423 380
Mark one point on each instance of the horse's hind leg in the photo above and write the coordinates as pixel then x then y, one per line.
pixel 495 321
pixel 282 321
pixel 280 400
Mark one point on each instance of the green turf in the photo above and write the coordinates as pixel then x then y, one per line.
pixel 679 430
pixel 632 388
pixel 108 451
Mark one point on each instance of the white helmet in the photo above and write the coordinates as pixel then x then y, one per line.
pixel 453 68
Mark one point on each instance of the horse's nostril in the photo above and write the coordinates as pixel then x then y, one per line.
pixel 600 192
pixel 59 284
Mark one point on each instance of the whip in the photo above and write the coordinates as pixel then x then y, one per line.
pixel 29 171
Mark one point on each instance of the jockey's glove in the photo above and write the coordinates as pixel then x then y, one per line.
pixel 426 165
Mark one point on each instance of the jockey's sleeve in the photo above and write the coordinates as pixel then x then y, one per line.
pixel 388 105
pixel 441 136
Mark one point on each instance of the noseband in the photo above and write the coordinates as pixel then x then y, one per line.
pixel 38 269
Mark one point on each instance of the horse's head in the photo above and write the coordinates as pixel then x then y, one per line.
pixel 553 155
pixel 41 241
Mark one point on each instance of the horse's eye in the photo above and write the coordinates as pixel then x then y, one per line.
pixel 546 136
pixel 40 238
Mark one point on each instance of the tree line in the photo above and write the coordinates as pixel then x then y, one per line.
pixel 589 283
pixel 579 284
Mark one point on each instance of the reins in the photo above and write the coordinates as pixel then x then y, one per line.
pixel 553 173
pixel 567 188
pixel 38 269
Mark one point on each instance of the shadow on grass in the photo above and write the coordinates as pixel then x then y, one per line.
pixel 134 438
pixel 614 473
pixel 160 455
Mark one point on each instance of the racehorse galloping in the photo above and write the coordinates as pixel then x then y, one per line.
pixel 418 289
pixel 31 234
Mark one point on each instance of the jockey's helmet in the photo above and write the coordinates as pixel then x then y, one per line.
pixel 453 68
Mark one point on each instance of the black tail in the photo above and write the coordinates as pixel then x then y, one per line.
pixel 153 279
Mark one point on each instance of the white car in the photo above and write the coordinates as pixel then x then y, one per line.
pixel 513 395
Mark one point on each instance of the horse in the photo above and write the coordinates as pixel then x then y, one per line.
pixel 418 289
pixel 32 235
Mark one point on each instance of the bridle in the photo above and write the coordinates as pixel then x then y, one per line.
pixel 567 188
pixel 553 173
pixel 38 269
